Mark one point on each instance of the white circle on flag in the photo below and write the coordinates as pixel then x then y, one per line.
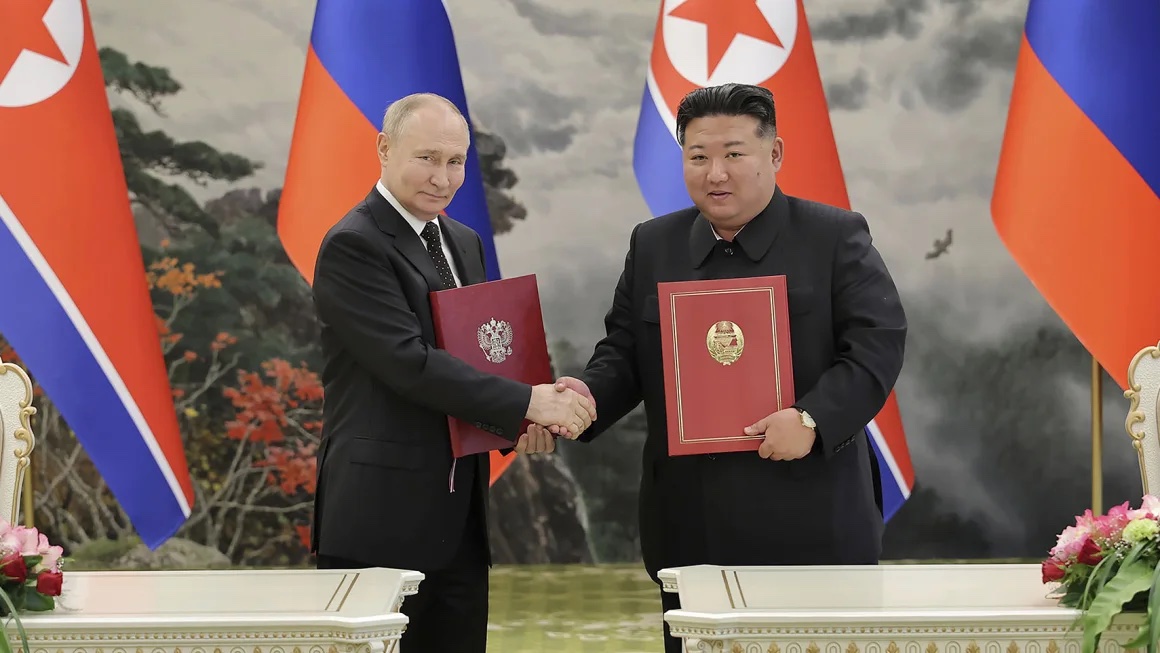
pixel 747 61
pixel 34 77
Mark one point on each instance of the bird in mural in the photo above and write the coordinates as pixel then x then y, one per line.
pixel 940 246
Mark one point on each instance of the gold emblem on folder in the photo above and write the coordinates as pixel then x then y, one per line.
pixel 725 342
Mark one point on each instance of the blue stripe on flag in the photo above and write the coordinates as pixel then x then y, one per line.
pixel 1105 56
pixel 378 51
pixel 44 337
pixel 656 161
pixel 892 495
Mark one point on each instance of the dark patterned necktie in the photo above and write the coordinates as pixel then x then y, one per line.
pixel 435 249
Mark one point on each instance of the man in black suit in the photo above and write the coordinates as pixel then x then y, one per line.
pixel 808 495
pixel 389 492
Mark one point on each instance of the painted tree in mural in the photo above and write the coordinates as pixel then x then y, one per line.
pixel 239 338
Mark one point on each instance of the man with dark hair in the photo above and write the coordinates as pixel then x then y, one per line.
pixel 807 496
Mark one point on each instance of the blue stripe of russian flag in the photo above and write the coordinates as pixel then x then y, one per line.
pixel 1112 72
pixel 418 57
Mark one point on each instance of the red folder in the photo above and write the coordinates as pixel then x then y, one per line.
pixel 496 327
pixel 727 360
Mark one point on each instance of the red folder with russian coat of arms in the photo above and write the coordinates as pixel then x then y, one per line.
pixel 496 327
pixel 727 360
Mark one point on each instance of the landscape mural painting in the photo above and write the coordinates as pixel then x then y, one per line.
pixel 994 394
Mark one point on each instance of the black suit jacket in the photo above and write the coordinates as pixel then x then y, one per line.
pixel 384 494
pixel 848 332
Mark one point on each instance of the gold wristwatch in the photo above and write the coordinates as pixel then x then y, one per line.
pixel 807 421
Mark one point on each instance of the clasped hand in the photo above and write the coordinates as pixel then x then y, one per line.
pixel 565 408
pixel 785 436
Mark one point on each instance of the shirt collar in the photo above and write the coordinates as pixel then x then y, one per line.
pixel 415 223
pixel 754 238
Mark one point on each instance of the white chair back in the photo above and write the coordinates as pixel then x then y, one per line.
pixel 16 437
pixel 1141 423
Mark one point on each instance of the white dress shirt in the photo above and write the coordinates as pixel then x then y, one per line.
pixel 418 225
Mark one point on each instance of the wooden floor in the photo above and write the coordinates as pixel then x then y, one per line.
pixel 566 609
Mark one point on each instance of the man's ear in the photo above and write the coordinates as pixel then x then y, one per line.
pixel 778 153
pixel 382 146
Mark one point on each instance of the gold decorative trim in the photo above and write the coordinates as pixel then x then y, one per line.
pixel 242 637
pixel 748 642
pixel 23 434
pixel 769 290
pixel 1047 631
pixel 1135 415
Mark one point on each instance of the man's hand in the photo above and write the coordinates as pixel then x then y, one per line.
pixel 785 437
pixel 537 440
pixel 567 409
pixel 576 385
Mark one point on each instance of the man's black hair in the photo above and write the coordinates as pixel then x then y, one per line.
pixel 728 100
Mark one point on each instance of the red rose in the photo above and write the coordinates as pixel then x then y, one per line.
pixel 13 567
pixel 1090 554
pixel 49 583
pixel 1052 571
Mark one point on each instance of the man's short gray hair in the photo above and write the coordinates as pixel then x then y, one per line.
pixel 400 110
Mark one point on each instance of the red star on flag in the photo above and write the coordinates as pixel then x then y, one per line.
pixel 22 28
pixel 725 19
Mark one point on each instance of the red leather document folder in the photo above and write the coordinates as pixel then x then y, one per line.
pixel 727 361
pixel 496 327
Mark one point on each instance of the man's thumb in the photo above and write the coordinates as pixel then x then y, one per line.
pixel 755 429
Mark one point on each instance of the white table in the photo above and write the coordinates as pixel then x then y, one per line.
pixel 226 611
pixel 969 608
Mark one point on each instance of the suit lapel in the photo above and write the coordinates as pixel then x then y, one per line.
pixel 404 238
pixel 467 261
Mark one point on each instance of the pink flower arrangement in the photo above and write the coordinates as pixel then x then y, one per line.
pixel 1106 565
pixel 30 575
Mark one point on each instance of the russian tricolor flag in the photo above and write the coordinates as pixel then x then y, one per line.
pixel 364 55
pixel 765 42
pixel 75 304
pixel 1077 193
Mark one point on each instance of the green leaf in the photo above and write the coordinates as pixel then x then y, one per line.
pixel 37 602
pixel 1136 551
pixel 1096 580
pixel 32 561
pixel 15 617
pixel 1152 621
pixel 1130 581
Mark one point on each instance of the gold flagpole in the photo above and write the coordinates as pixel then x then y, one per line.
pixel 1097 437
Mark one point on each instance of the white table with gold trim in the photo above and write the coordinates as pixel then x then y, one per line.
pixel 894 608
pixel 224 611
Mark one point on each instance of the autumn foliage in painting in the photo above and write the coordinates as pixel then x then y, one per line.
pixel 236 323
pixel 251 438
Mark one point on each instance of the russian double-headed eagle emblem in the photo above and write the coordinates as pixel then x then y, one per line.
pixel 495 339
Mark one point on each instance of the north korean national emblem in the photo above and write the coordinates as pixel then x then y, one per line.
pixel 495 339
pixel 725 342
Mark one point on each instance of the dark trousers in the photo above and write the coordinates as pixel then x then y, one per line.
pixel 449 612
pixel 671 601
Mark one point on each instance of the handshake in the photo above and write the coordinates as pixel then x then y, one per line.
pixel 565 408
